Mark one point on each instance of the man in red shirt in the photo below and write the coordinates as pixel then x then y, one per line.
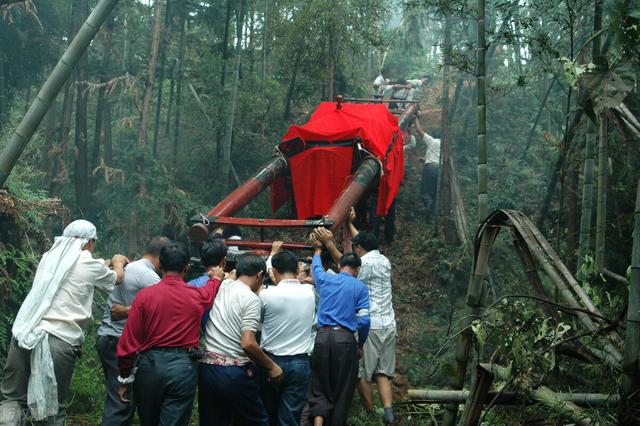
pixel 163 330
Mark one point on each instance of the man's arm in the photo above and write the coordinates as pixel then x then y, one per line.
pixel 362 316
pixel 352 218
pixel 326 237
pixel 118 263
pixel 257 355
pixel 132 339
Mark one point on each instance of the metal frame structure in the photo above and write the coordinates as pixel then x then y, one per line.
pixel 361 179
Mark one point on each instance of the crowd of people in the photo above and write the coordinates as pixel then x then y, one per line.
pixel 275 341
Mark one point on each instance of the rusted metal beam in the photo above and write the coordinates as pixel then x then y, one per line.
pixel 240 196
pixel 265 223
pixel 360 181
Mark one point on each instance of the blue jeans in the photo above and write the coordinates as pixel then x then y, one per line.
pixel 285 399
pixel 230 392
pixel 165 387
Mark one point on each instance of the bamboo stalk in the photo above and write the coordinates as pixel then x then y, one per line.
pixel 50 89
pixel 629 395
pixel 548 397
pixel 483 198
pixel 584 246
pixel 601 209
pixel 585 400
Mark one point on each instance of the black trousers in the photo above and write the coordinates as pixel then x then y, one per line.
pixel 116 412
pixel 429 188
pixel 165 387
pixel 334 374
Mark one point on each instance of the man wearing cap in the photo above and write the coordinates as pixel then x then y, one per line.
pixel 47 332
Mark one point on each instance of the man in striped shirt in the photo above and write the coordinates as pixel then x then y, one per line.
pixel 378 362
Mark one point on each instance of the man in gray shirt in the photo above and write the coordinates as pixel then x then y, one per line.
pixel 138 275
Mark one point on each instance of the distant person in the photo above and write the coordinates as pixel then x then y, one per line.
pixel 138 275
pixel 378 362
pixel 47 333
pixel 227 381
pixel 163 334
pixel 343 310
pixel 429 180
pixel 288 316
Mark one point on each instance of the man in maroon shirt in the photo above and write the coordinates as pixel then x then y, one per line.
pixel 163 331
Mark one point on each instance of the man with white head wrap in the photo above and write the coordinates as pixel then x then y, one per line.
pixel 47 332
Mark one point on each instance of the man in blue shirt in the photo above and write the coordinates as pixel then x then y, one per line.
pixel 343 310
pixel 213 253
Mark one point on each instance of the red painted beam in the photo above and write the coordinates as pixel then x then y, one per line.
pixel 269 223
pixel 250 189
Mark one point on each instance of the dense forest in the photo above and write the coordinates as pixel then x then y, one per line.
pixel 537 106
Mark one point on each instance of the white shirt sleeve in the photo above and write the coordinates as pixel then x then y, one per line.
pixel 105 278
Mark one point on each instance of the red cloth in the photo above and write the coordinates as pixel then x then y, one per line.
pixel 164 315
pixel 378 132
pixel 324 188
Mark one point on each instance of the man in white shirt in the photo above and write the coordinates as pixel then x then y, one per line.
pixel 47 332
pixel 288 315
pixel 378 362
pixel 429 181
pixel 228 386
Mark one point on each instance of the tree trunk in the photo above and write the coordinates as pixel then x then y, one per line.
pixel 163 60
pixel 106 58
pixel 106 125
pixel 151 72
pixel 172 74
pixel 181 47
pixel 629 395
pixel 572 213
pixel 3 92
pixel 225 44
pixel 265 41
pixel 228 137
pixel 601 209
pixel 81 177
pixel 445 186
pixel 331 69
pixel 292 86
pixel 483 199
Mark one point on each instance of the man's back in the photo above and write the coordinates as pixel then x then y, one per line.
pixel 71 305
pixel 375 272
pixel 237 309
pixel 288 312
pixel 341 296
pixel 162 304
pixel 137 276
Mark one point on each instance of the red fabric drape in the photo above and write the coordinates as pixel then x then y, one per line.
pixel 372 125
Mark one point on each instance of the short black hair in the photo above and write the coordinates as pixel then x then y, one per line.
pixel 367 240
pixel 174 257
pixel 285 262
pixel 350 259
pixel 212 252
pixel 250 265
pixel 155 245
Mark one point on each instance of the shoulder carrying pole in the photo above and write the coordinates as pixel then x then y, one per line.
pixel 51 87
